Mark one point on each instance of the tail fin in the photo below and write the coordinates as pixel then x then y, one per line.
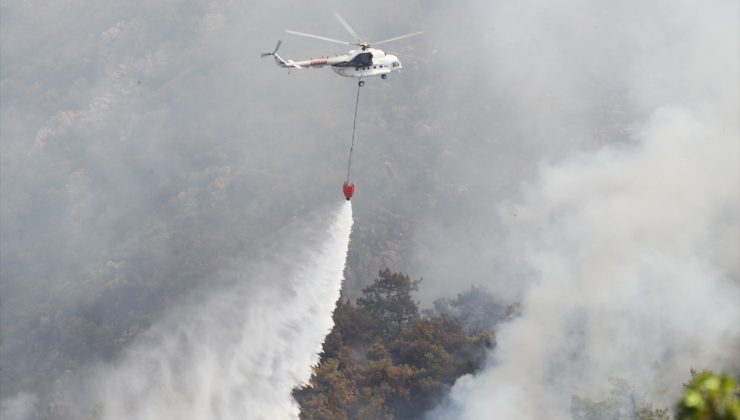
pixel 279 60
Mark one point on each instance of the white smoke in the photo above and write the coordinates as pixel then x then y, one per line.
pixel 636 254
pixel 633 247
pixel 239 352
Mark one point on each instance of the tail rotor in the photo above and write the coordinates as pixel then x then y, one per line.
pixel 277 47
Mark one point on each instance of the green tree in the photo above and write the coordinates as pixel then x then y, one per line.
pixel 331 392
pixel 440 350
pixel 389 301
pixel 353 327
pixel 709 397
pixel 382 360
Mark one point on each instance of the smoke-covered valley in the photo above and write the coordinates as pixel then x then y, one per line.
pixel 579 157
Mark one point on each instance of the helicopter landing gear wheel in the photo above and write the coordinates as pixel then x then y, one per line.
pixel 361 83
pixel 383 76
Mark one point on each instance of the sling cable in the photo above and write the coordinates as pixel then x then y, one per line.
pixel 349 188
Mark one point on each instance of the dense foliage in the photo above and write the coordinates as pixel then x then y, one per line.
pixel 386 360
pixel 709 397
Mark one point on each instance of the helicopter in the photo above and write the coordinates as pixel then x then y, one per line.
pixel 358 63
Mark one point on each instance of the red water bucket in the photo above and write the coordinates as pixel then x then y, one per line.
pixel 348 189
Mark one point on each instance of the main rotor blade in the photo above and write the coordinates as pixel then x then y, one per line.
pixel 397 38
pixel 323 38
pixel 347 27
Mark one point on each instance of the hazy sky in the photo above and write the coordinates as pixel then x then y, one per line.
pixel 555 152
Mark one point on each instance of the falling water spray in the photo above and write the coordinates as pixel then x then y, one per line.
pixel 238 353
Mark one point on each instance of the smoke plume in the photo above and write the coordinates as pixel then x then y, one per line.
pixel 634 252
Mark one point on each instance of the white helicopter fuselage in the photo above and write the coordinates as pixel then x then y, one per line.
pixel 381 64
pixel 364 63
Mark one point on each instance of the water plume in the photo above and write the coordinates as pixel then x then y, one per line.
pixel 239 352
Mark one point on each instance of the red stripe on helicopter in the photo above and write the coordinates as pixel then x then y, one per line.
pixel 319 62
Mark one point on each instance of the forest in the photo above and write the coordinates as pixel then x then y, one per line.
pixel 387 359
